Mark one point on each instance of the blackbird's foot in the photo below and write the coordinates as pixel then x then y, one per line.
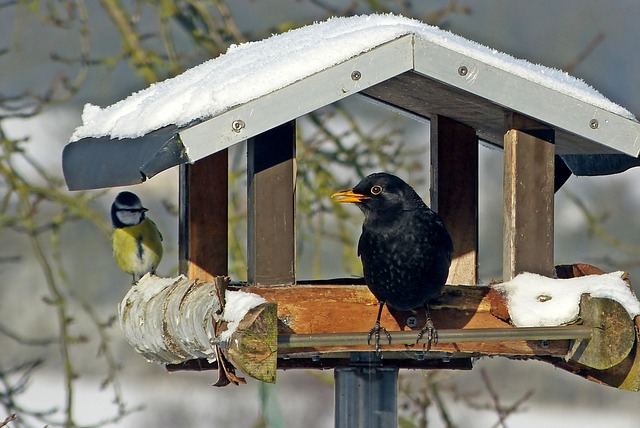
pixel 432 334
pixel 375 333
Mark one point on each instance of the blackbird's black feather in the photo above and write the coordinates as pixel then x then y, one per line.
pixel 404 247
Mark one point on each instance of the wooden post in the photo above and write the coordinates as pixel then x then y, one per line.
pixel 203 237
pixel 271 206
pixel 454 193
pixel 528 199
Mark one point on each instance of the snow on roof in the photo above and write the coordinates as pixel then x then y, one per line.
pixel 537 301
pixel 250 70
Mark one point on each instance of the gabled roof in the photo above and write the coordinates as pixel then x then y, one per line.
pixel 400 62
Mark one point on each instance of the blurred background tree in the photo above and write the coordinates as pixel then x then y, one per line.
pixel 62 361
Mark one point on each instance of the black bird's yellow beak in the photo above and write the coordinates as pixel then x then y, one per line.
pixel 349 196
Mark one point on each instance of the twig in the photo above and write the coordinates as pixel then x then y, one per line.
pixel 594 224
pixel 45 341
pixel 597 39
pixel 8 419
pixel 502 411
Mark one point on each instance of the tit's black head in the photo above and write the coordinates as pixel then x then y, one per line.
pixel 127 210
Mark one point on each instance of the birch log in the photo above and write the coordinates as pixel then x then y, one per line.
pixel 173 320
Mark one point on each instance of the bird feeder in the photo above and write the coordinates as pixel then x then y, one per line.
pixel 548 125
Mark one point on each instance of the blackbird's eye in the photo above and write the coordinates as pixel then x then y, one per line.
pixel 376 189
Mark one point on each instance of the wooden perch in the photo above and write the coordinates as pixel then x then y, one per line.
pixel 328 314
pixel 319 325
pixel 174 320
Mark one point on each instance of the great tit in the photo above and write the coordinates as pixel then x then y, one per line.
pixel 137 243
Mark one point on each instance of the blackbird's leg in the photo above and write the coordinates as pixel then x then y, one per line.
pixel 375 331
pixel 429 329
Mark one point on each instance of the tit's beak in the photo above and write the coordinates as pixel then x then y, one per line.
pixel 349 196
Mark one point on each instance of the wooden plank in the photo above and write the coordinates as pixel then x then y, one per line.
pixel 612 342
pixel 328 363
pixel 625 376
pixel 203 235
pixel 528 203
pixel 454 193
pixel 271 206
pixel 253 347
pixel 326 308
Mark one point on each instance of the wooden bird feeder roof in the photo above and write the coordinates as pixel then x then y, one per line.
pixel 412 69
pixel 548 124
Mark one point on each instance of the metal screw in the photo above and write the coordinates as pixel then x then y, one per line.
pixel 544 344
pixel 544 298
pixel 286 320
pixel 237 125
pixel 463 70
pixel 412 321
pixel 593 124
pixel 356 75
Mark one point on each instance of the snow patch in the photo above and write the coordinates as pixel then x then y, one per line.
pixel 538 301
pixel 238 303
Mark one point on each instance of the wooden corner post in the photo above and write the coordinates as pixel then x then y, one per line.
pixel 271 206
pixel 529 152
pixel 203 236
pixel 454 193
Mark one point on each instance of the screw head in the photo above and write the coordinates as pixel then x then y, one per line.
pixel 593 124
pixel 356 75
pixel 237 125
pixel 544 298
pixel 412 321
pixel 463 70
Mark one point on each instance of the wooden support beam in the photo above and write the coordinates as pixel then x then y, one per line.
pixel 327 308
pixel 203 235
pixel 271 206
pixel 528 201
pixel 454 193
pixel 323 323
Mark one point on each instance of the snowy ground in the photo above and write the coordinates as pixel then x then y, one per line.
pixel 188 400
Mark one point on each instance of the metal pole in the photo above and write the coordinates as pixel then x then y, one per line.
pixel 366 394
pixel 444 336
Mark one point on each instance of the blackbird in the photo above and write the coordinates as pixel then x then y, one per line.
pixel 404 247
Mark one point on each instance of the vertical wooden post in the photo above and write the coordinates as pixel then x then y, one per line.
pixel 203 237
pixel 454 193
pixel 271 206
pixel 528 200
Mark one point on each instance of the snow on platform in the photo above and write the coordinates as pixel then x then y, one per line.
pixel 537 301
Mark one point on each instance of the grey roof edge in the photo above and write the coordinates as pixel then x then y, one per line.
pixel 591 165
pixel 528 98
pixel 93 163
pixel 299 98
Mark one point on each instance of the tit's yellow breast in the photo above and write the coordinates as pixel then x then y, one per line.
pixel 137 249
